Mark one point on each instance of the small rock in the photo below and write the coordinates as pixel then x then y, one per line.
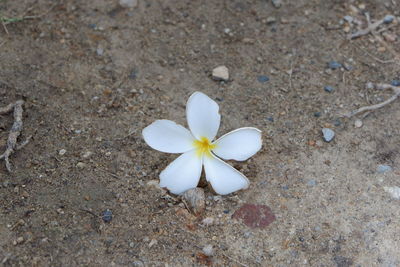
pixel 128 3
pixel 87 154
pixel 208 250
pixel 317 114
pixel 270 20
pixel 81 165
pixel 337 122
pixel 358 123
pixel 395 82
pixel 347 66
pixel 19 240
pixel 62 152
pixel 195 199
pixel 277 3
pixel 383 168
pixel 348 18
pixel 312 183
pixel 255 215
pixel 329 89
pixel 220 73
pixel 333 65
pixel 153 242
pixel 99 51
pixel 262 78
pixel 271 119
pixel 393 191
pixel 388 19
pixel 328 134
pixel 207 221
pixel 369 85
pixel 107 216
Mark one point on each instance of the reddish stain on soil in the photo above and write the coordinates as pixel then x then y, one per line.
pixel 255 215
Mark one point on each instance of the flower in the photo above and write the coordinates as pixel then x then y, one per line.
pixel 199 149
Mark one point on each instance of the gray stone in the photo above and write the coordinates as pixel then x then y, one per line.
pixel 383 168
pixel 328 134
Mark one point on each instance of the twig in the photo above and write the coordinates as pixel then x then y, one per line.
pixel 370 28
pixel 396 90
pixel 14 132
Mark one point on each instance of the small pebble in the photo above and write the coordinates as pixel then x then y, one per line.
pixel 312 183
pixel 358 123
pixel 153 242
pixel 328 134
pixel 337 122
pixel 328 89
pixel 99 51
pixel 262 78
pixel 277 3
pixel 195 199
pixel 347 67
pixel 395 82
pixel 220 73
pixel 388 19
pixel 317 114
pixel 87 154
pixel 208 250
pixel 348 18
pixel 128 3
pixel 62 152
pixel 383 168
pixel 333 65
pixel 207 221
pixel 393 191
pixel 107 216
pixel 81 165
pixel 369 85
pixel 271 119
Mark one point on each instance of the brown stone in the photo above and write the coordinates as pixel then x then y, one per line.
pixel 255 215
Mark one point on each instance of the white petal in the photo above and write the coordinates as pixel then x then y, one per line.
pixel 223 178
pixel 239 144
pixel 202 116
pixel 183 173
pixel 167 136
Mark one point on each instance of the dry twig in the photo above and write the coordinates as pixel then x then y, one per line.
pixel 396 90
pixel 370 28
pixel 14 132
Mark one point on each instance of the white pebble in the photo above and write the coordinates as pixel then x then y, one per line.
pixel 220 73
pixel 393 191
pixel 328 134
pixel 128 3
pixel 208 250
pixel 358 123
pixel 207 221
pixel 62 152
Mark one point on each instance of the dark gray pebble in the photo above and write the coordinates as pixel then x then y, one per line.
pixel 107 216
pixel 388 19
pixel 395 83
pixel 333 65
pixel 329 89
pixel 263 78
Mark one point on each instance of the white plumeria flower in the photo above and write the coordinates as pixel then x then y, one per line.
pixel 199 149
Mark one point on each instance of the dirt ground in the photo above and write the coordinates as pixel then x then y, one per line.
pixel 94 74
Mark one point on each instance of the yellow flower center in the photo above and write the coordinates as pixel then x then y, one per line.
pixel 203 146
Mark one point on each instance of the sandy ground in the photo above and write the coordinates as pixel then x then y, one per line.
pixel 94 74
